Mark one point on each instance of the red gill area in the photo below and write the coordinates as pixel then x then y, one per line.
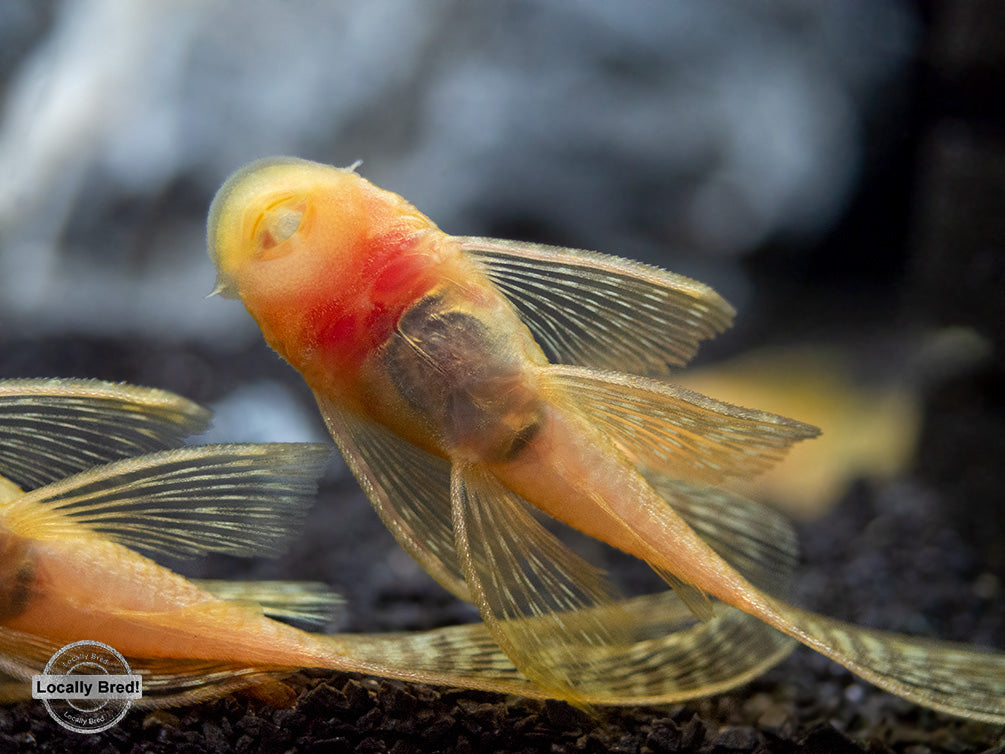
pixel 348 325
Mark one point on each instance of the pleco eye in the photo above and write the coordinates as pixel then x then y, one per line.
pixel 284 222
pixel 278 224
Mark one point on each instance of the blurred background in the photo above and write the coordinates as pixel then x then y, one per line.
pixel 695 136
pixel 835 168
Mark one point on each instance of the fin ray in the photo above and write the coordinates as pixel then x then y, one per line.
pixel 600 311
pixel 699 603
pixel 239 499
pixel 672 431
pixel 52 428
pixel 305 601
pixel 956 678
pixel 757 541
pixel 409 488
pixel 666 655
pixel 532 591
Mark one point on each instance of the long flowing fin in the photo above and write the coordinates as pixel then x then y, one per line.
pixel 52 428
pixel 409 488
pixel 757 541
pixel 600 311
pixel 956 678
pixel 672 431
pixel 666 656
pixel 528 585
pixel 305 601
pixel 235 499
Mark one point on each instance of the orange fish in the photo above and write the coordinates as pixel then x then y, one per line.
pixel 68 570
pixel 431 358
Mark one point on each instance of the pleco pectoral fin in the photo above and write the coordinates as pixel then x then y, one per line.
pixel 530 589
pixel 673 431
pixel 409 488
pixel 305 601
pixel 233 499
pixel 601 311
pixel 956 678
pixel 52 428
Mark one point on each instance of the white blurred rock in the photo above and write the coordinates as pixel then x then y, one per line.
pixel 667 131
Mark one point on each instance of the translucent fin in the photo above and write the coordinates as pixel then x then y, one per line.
pixel 757 541
pixel 23 655
pixel 672 431
pixel 955 678
pixel 699 603
pixel 528 586
pixel 409 488
pixel 666 655
pixel 600 311
pixel 52 428
pixel 666 663
pixel 9 491
pixel 169 682
pixel 668 658
pixel 235 499
pixel 305 601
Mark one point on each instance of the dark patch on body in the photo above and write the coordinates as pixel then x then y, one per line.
pixel 17 575
pixel 453 368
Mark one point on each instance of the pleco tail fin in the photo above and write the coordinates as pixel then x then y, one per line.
pixel 955 678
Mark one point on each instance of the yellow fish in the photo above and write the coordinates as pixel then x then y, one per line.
pixel 68 570
pixel 871 430
pixel 429 358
